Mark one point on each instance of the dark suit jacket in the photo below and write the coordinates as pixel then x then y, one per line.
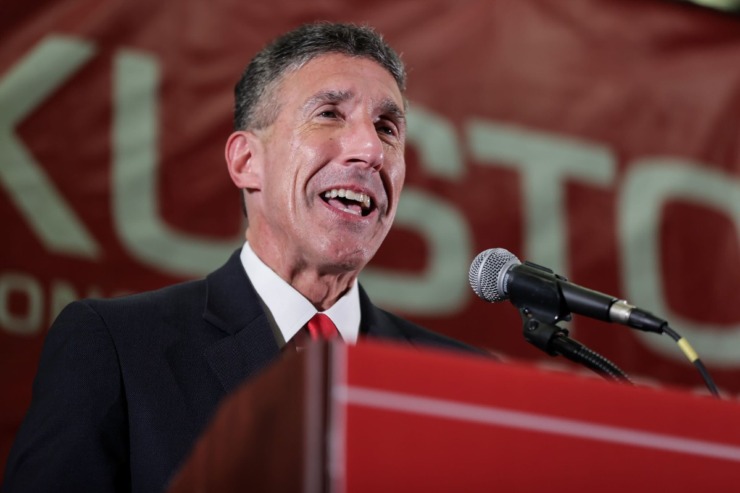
pixel 125 386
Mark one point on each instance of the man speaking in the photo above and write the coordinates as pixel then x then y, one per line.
pixel 125 386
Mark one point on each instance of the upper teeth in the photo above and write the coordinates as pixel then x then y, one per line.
pixel 362 198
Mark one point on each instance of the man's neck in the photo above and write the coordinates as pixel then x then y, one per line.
pixel 322 286
pixel 321 290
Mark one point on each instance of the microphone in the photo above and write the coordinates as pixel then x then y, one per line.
pixel 497 275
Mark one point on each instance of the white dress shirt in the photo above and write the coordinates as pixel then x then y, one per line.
pixel 290 310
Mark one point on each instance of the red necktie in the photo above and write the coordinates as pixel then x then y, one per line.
pixel 321 327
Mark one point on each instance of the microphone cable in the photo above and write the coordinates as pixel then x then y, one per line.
pixel 692 356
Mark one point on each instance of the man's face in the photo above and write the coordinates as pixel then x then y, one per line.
pixel 330 168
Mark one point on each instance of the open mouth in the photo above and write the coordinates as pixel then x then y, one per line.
pixel 357 203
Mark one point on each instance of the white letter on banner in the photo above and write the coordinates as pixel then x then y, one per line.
pixel 435 139
pixel 135 160
pixel 53 61
pixel 545 161
pixel 649 184
pixel 443 287
pixel 24 284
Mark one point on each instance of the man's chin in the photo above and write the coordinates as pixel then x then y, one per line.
pixel 348 260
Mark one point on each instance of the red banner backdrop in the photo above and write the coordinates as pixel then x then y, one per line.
pixel 599 138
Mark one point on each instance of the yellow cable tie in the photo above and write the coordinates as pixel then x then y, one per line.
pixel 687 349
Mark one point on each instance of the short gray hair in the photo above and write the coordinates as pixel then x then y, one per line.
pixel 254 106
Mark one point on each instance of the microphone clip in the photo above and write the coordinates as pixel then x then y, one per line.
pixel 538 293
pixel 541 334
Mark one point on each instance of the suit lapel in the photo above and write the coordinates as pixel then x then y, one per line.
pixel 233 306
pixel 375 323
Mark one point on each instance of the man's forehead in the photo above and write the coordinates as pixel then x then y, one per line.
pixel 333 77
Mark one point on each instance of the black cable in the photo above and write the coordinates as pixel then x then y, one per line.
pixel 694 358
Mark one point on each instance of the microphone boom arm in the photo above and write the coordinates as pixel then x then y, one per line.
pixel 554 341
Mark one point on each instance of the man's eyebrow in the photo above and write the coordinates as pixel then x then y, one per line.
pixel 323 97
pixel 389 108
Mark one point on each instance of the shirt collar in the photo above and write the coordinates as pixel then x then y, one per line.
pixel 290 309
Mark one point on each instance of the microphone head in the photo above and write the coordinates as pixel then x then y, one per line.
pixel 487 274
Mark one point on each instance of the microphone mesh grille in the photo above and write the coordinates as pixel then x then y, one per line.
pixel 487 271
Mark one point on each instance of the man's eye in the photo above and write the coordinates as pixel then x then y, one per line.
pixel 328 114
pixel 386 129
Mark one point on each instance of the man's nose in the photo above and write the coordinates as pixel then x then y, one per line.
pixel 362 145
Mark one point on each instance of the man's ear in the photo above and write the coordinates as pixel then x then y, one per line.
pixel 243 158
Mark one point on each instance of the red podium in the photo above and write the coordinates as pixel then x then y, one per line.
pixel 377 417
